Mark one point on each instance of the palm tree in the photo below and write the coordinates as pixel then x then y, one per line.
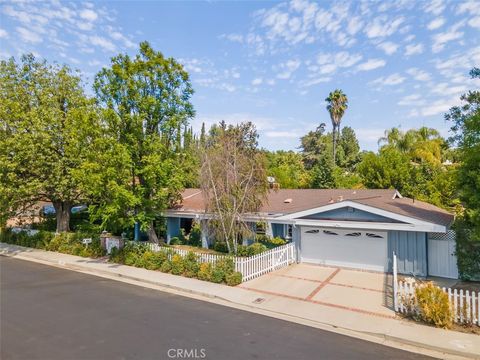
pixel 337 104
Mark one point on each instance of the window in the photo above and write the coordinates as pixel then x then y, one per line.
pixel 312 232
pixel 374 235
pixel 288 231
pixel 328 232
pixel 353 234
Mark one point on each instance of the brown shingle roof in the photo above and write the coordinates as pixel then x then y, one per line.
pixel 305 199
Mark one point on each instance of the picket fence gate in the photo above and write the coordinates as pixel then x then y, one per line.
pixel 250 267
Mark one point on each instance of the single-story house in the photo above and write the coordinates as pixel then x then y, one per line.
pixel 350 228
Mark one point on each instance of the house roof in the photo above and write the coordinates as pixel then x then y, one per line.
pixel 306 199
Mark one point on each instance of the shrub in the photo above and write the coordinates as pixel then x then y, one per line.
pixel 205 272
pixel 434 306
pixel 191 265
pixel 226 265
pixel 256 248
pixel 218 275
pixel 277 241
pixel 234 278
pixel 220 246
pixel 166 266
pixel 175 241
pixel 152 261
pixel 195 237
pixel 261 237
pixel 242 250
pixel 131 258
pixel 178 265
pixel 117 256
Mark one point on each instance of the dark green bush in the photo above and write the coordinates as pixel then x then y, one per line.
pixel 195 237
pixel 152 260
pixel 234 278
pixel 218 275
pixel 175 241
pixel 220 246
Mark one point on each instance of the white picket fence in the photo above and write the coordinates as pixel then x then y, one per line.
pixel 465 305
pixel 250 267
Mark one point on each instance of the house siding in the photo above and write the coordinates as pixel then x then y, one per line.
pixel 411 250
pixel 173 228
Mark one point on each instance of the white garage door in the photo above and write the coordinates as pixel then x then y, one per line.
pixel 362 249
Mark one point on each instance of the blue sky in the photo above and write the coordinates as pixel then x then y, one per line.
pixel 400 63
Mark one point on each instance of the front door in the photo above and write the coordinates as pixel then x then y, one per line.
pixel 442 261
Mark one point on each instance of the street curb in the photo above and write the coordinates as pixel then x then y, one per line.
pixel 365 335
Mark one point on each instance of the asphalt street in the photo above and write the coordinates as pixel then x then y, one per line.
pixel 51 313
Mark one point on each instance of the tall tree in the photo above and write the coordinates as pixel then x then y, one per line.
pixel 47 125
pixel 337 103
pixel 146 102
pixel 233 180
pixel 466 135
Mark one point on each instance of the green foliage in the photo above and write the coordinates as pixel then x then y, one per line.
pixel 218 275
pixel 175 241
pixel 226 265
pixel 195 236
pixel 153 260
pixel 466 129
pixel 166 266
pixel 467 249
pixel 191 265
pixel 205 272
pixel 256 248
pixel 288 169
pixel 434 306
pixel 220 246
pixel 145 104
pixel 48 127
pixel 234 278
pixel 67 243
pixel 178 265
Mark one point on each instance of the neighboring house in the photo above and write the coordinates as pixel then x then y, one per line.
pixel 351 228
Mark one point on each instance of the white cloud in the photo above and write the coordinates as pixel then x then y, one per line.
pixel 475 22
pixel 288 68
pixel 88 14
pixel 438 107
pixel 102 42
pixel 436 23
pixel 411 100
pixel 418 74
pixel 257 81
pixel 394 79
pixel 440 39
pixel 3 33
pixel 29 36
pixel 413 49
pixel 435 7
pixel 371 64
pixel 383 26
pixel 233 37
pixel 388 47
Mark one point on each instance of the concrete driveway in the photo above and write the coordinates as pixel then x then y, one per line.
pixel 355 290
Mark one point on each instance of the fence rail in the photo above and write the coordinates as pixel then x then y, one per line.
pixel 250 267
pixel 465 305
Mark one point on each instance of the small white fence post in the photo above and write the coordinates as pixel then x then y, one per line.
pixel 395 282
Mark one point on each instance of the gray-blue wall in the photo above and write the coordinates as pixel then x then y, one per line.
pixel 411 250
pixel 352 214
pixel 173 227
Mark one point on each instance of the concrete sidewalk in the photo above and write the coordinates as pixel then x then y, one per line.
pixel 393 332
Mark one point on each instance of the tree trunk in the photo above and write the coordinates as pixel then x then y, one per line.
pixel 334 146
pixel 62 213
pixel 152 235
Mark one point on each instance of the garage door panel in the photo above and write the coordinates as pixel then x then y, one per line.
pixel 337 248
